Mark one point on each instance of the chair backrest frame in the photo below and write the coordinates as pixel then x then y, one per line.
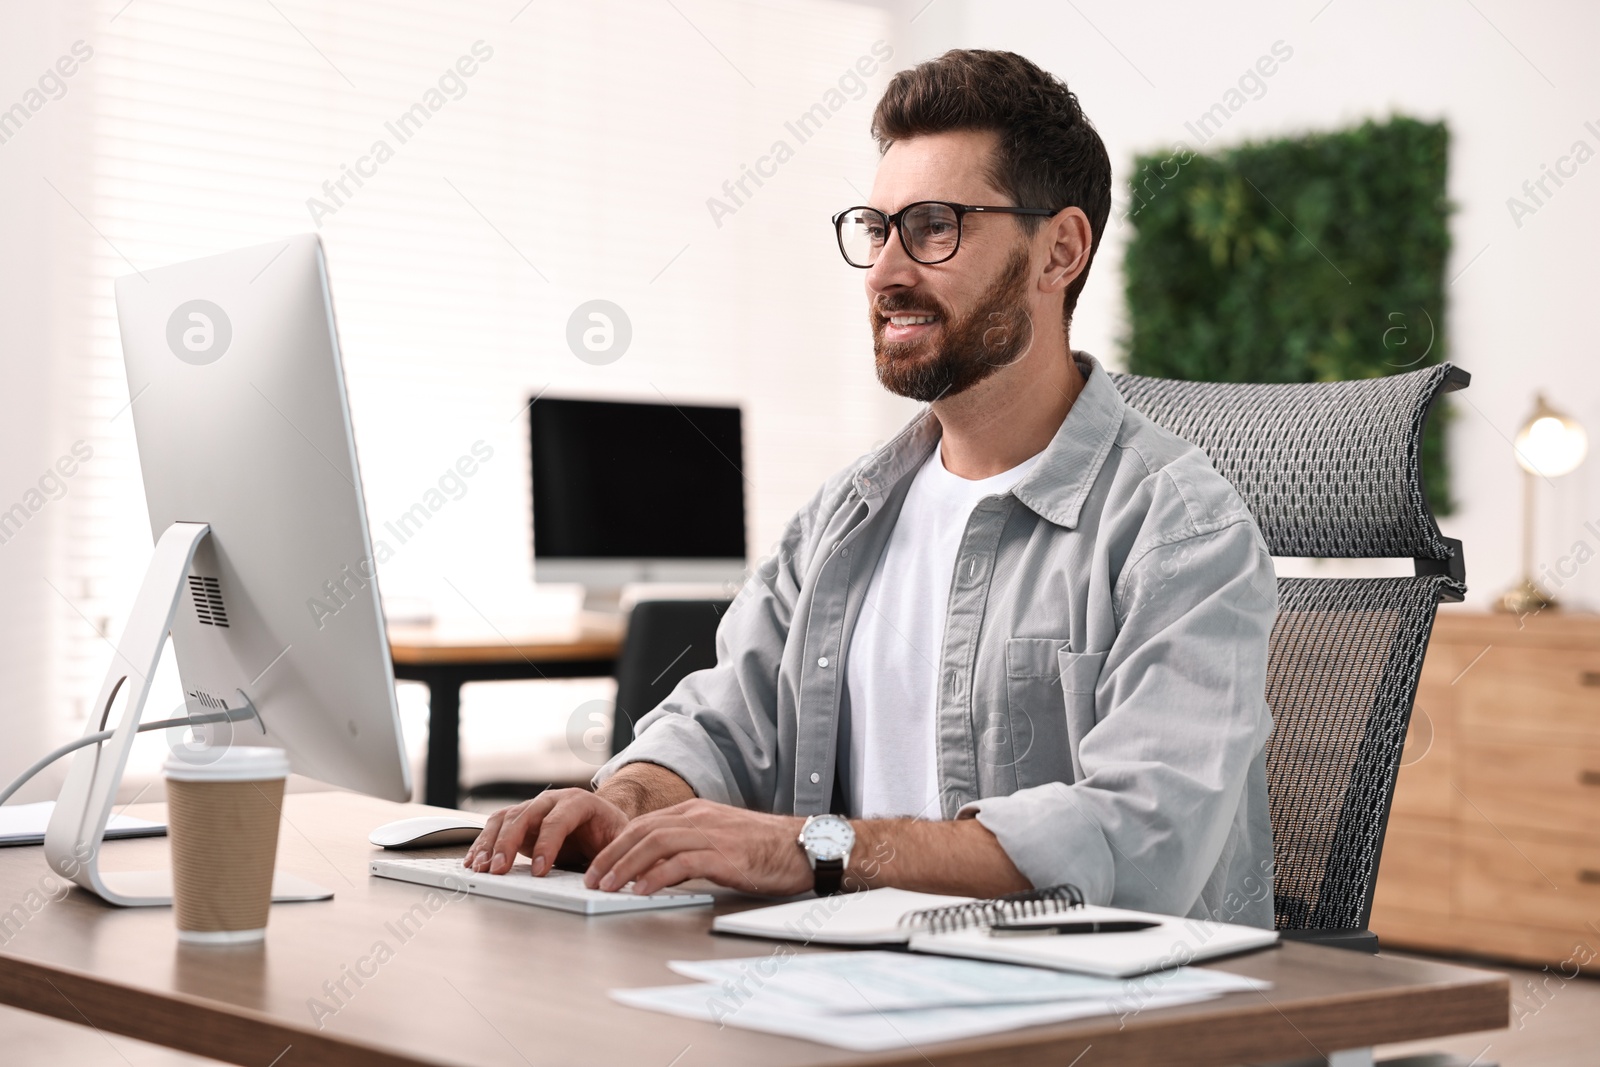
pixel 665 640
pixel 1246 429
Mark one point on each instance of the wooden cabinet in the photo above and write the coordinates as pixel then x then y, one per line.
pixel 1494 840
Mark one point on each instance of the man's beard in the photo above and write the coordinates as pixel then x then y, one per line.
pixel 993 335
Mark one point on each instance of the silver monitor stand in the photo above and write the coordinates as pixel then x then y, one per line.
pixel 78 823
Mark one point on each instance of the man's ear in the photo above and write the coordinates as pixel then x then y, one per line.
pixel 1068 238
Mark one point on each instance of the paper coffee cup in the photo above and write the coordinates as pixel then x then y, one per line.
pixel 222 818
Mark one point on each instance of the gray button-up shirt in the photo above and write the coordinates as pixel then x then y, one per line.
pixel 1101 693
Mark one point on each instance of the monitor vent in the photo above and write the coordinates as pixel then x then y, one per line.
pixel 208 600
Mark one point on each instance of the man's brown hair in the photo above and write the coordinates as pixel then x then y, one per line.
pixel 1049 154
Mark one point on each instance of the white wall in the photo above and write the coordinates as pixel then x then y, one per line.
pixel 1516 84
pixel 175 141
pixel 37 304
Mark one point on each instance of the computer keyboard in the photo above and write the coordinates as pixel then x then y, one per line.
pixel 563 890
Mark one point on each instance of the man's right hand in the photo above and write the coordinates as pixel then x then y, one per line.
pixel 569 826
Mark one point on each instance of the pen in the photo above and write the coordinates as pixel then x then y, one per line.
pixel 1108 926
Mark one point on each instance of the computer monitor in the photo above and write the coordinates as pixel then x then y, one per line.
pixel 264 571
pixel 630 492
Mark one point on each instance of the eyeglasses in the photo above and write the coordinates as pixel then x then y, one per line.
pixel 930 230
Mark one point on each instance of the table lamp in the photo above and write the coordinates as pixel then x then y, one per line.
pixel 1549 445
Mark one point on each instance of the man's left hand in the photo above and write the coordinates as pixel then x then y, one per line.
pixel 746 850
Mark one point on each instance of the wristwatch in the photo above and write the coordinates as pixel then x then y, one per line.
pixel 827 841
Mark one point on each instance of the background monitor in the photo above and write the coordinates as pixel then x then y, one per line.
pixel 627 492
pixel 240 413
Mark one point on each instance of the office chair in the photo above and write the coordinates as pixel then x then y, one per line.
pixel 1330 469
pixel 665 640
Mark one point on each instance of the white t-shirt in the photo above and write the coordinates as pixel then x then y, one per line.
pixel 892 667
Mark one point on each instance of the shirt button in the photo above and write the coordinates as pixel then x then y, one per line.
pixel 815 777
pixel 823 662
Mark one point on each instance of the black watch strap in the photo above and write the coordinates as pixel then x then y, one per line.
pixel 829 873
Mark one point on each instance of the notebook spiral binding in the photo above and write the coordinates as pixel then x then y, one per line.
pixel 1009 908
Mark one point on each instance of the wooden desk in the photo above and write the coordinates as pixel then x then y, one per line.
pixel 445 660
pixel 486 982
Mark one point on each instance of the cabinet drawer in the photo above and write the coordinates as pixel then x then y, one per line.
pixel 1423 787
pixel 1537 690
pixel 1543 885
pixel 1414 873
pixel 1554 788
pixel 1445 660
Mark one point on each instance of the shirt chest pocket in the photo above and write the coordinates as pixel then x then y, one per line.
pixel 1049 708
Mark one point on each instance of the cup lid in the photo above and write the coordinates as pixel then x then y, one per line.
pixel 234 763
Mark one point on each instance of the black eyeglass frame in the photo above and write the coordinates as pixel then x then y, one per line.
pixel 893 223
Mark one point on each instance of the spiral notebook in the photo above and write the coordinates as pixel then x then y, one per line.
pixel 959 926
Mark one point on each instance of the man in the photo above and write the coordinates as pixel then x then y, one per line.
pixel 1024 643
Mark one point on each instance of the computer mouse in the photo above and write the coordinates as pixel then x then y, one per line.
pixel 428 831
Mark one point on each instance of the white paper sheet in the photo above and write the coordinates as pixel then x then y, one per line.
pixel 24 824
pixel 769 1011
pixel 852 982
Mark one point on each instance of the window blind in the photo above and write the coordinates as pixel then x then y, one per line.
pixel 534 158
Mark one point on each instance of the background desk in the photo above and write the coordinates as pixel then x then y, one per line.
pixel 444 660
pixel 491 983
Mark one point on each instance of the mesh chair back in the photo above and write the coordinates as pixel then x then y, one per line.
pixel 1327 468
pixel 665 640
pixel 1330 469
pixel 1341 677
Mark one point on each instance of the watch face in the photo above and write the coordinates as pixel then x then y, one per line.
pixel 828 837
